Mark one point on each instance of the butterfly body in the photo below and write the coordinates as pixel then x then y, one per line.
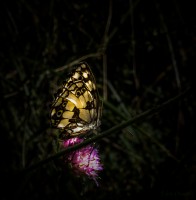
pixel 76 108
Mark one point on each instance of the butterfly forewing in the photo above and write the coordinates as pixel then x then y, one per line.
pixel 76 108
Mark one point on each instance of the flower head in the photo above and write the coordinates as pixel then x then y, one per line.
pixel 84 161
pixel 72 141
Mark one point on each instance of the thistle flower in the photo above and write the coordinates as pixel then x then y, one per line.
pixel 84 161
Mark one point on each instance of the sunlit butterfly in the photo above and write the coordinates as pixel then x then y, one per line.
pixel 76 108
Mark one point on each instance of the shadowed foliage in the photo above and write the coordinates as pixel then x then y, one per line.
pixel 142 54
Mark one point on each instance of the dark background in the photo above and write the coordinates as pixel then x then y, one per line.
pixel 142 53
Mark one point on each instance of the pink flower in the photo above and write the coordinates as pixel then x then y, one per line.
pixel 84 161
pixel 72 141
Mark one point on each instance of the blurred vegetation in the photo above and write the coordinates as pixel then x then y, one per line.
pixel 142 53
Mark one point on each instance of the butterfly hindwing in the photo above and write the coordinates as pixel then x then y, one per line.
pixel 76 108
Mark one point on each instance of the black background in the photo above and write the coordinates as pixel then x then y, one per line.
pixel 147 49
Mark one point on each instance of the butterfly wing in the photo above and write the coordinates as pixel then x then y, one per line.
pixel 76 108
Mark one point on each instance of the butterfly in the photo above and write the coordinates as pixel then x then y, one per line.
pixel 76 108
